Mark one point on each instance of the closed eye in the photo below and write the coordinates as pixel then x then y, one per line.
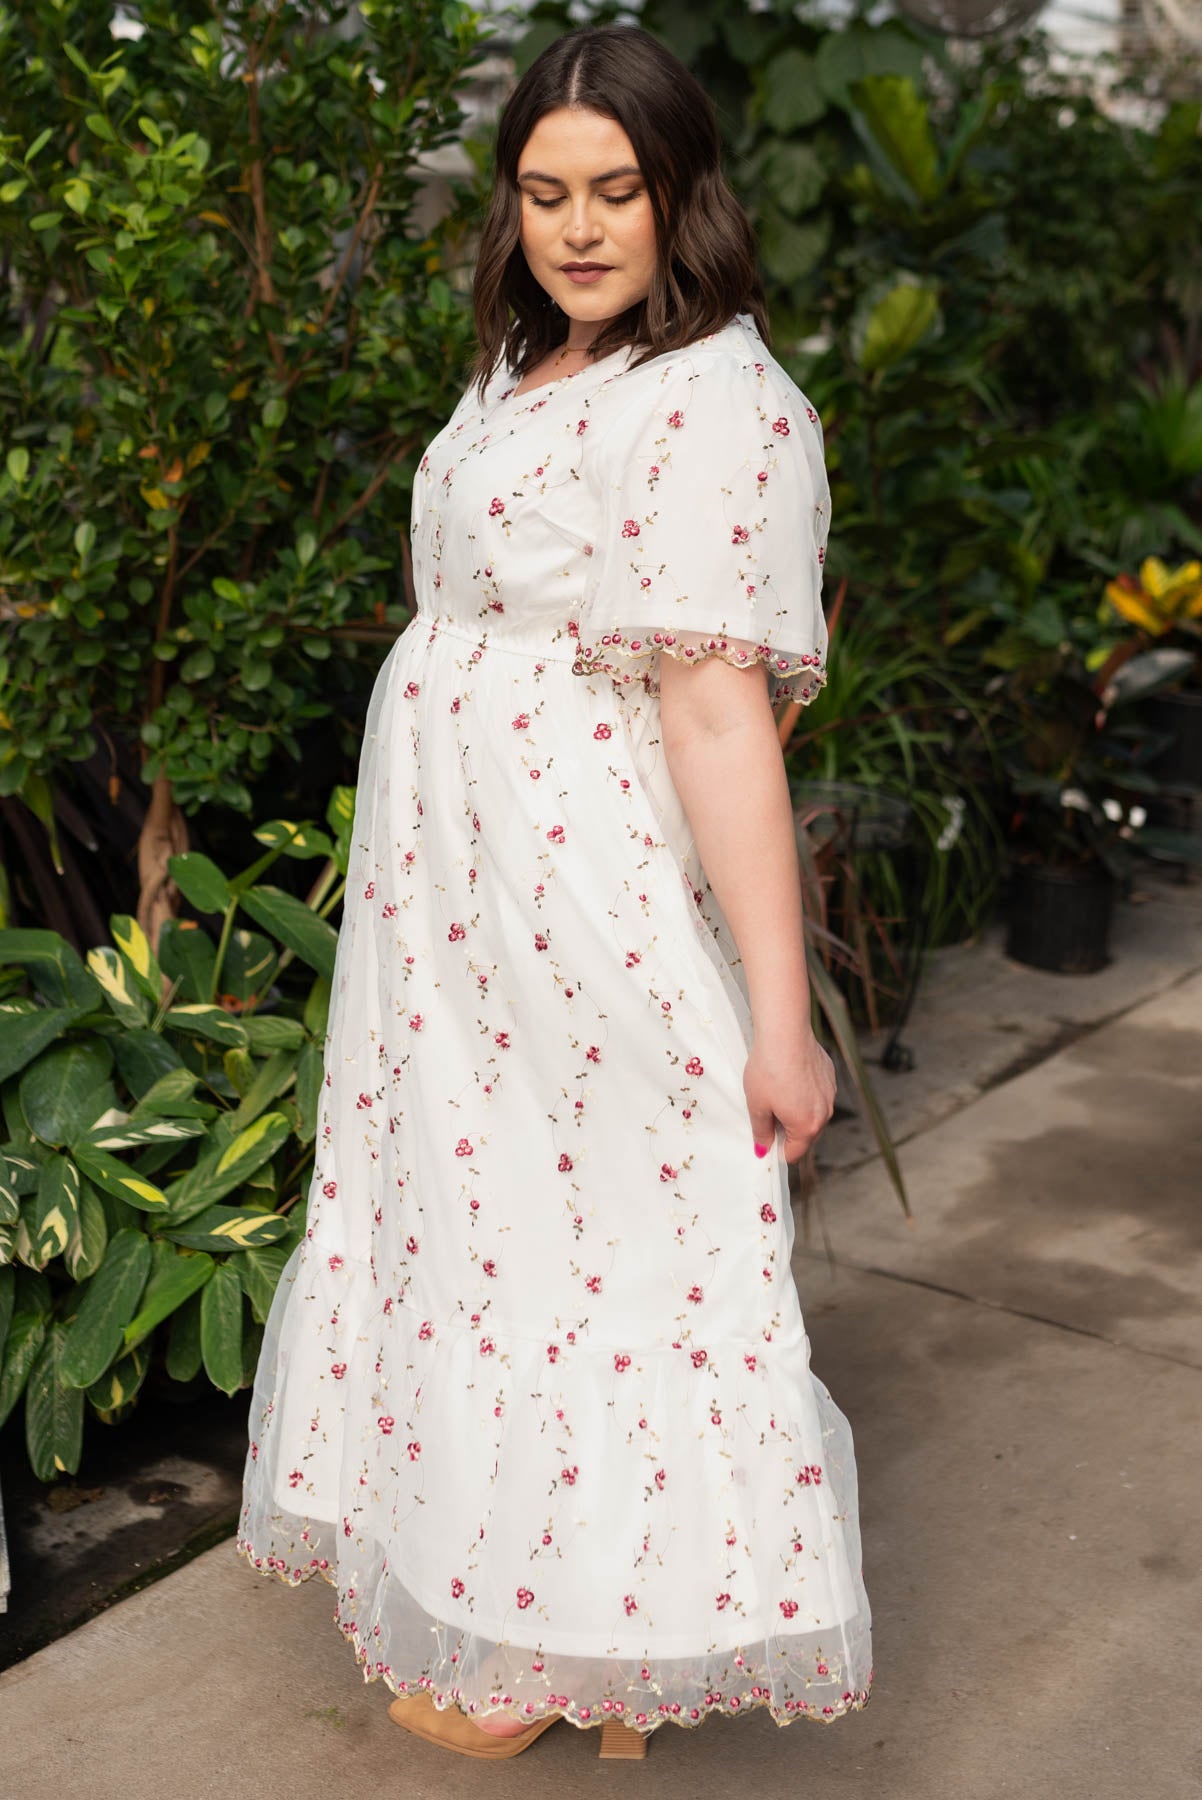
pixel 610 199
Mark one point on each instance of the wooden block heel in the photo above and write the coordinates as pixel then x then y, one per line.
pixel 622 1741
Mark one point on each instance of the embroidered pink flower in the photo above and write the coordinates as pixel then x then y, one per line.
pixel 789 1608
pixel 630 528
pixel 565 1163
pixel 386 1423
pixel 495 507
pixel 456 1587
pixel 621 1361
pixel 781 427
pixel 456 932
pixel 768 1213
pixel 694 1066
pixel 739 535
pixel 676 420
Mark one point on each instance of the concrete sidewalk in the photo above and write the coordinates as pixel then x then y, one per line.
pixel 1022 1369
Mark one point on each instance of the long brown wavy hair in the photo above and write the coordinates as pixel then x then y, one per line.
pixel 706 265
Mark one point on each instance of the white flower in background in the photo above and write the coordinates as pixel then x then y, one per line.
pixel 1075 798
pixel 1137 817
pixel 1113 810
pixel 956 808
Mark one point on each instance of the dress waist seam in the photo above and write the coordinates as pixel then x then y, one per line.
pixel 483 640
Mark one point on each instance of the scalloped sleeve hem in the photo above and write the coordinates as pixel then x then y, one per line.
pixel 633 656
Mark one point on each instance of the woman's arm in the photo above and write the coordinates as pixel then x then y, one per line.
pixel 724 756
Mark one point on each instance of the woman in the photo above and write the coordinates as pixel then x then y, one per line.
pixel 534 1393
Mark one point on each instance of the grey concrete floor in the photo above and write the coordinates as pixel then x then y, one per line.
pixel 1022 1368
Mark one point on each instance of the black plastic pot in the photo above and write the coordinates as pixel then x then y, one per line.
pixel 1059 919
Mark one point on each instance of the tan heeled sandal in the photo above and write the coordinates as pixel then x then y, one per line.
pixel 455 1731
pixel 622 1741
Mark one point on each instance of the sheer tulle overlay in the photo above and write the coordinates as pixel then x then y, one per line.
pixel 535 1392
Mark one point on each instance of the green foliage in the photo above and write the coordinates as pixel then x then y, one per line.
pixel 225 337
pixel 149 1198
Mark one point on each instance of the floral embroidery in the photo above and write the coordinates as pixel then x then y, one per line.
pixel 522 1333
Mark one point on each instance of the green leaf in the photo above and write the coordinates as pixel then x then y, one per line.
pixel 200 881
pixel 17 464
pixel 250 965
pixel 54 966
pixel 188 955
pixel 889 324
pixel 116 1179
pixel 221 1329
pixel 145 1057
pixel 792 97
pixel 274 413
pixel 228 1229
pixel 183 1358
pixel 272 1031
pixel 174 1278
pixel 309 1070
pixel 26 1335
pixel 795 176
pixel 172 1097
pixel 63 1093
pixel 296 925
pixel 897 121
pixel 99 126
pixel 53 1412
pixel 259 1272
pixel 85 539
pixel 109 1302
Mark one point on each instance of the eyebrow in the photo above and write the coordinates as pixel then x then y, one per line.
pixel 595 181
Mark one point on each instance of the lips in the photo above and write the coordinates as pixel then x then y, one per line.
pixel 582 267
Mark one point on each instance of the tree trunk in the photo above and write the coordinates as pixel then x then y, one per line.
pixel 164 834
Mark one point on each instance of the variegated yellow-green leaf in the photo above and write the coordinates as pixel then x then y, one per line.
pixel 221 1329
pixel 23 1243
pixel 340 812
pixel 111 972
pixel 8 1237
pixel 230 1228
pixel 133 1135
pixel 253 1146
pixel 57 1210
pixel 89 1236
pixel 53 1412
pixel 134 946
pixel 109 1302
pixel 118 1179
pixel 174 1277
pixel 118 1385
pixel 227 1169
pixel 297 840
pixel 211 1022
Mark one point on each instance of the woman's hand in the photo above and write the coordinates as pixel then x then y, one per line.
pixel 793 1081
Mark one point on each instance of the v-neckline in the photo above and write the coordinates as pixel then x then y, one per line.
pixel 559 381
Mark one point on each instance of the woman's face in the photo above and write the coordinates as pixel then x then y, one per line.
pixel 584 201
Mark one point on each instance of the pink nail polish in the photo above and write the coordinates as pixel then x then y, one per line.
pixel 761 1149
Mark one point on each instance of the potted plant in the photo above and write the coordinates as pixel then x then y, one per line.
pixel 1165 606
pixel 1077 760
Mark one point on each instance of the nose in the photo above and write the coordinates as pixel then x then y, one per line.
pixel 583 226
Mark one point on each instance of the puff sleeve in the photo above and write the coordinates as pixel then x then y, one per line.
pixel 715 510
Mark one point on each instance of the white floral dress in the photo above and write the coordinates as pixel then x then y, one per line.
pixel 535 1392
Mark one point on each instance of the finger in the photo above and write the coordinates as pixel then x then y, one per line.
pixel 763 1130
